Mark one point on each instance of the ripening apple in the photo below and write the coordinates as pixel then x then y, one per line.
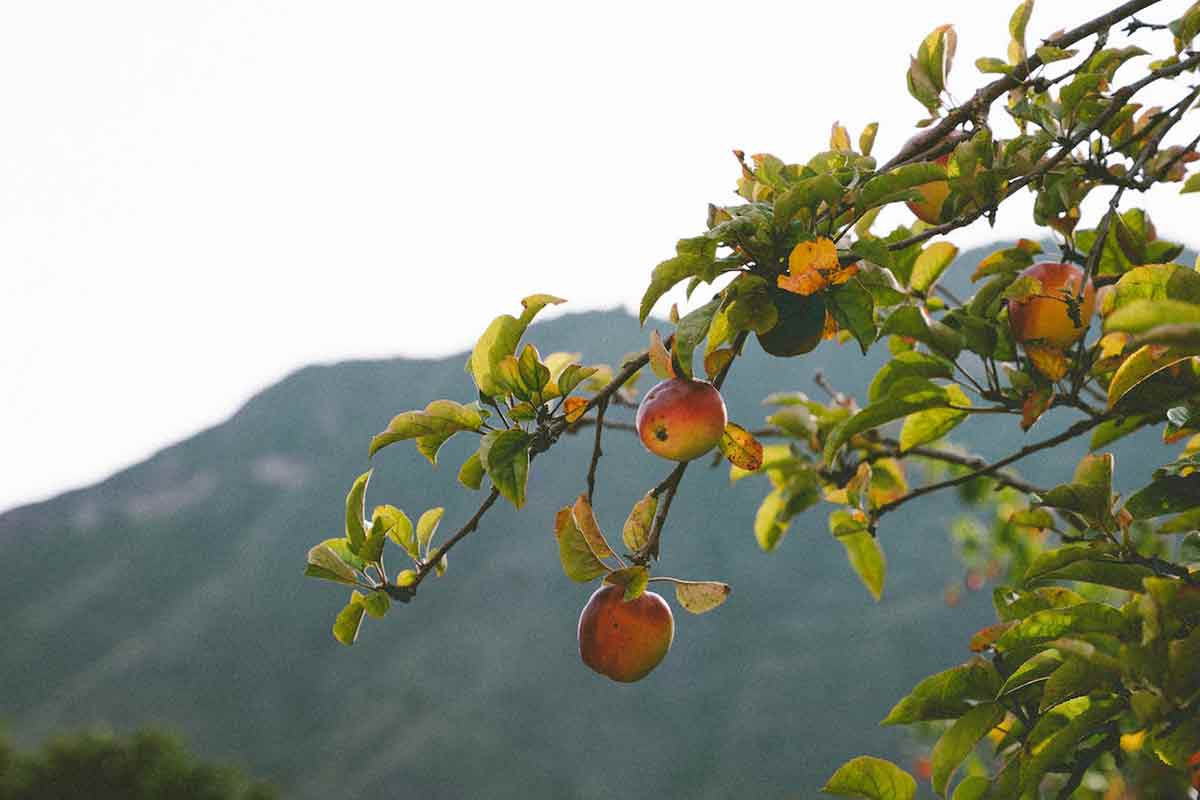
pixel 623 640
pixel 933 197
pixel 1046 317
pixel 681 419
pixel 1194 766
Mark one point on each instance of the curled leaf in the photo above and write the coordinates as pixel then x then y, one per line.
pixel 637 526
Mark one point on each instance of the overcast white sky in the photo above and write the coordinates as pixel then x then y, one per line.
pixel 197 198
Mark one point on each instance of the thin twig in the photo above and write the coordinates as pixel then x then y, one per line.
pixel 1078 428
pixel 974 462
pixel 984 98
pixel 601 407
pixel 1117 102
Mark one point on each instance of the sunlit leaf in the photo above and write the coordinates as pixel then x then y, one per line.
pixel 636 531
pixel 740 447
pixel 578 561
pixel 700 596
pixel 873 779
pixel 427 526
pixel 349 620
pixel 960 739
pixel 356 510
pixel 585 521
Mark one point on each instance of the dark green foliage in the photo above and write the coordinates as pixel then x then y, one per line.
pixel 146 765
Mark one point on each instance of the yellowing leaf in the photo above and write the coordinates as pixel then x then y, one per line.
pixel 1050 361
pixel 1142 364
pixel 839 137
pixel 700 596
pixel 812 266
pixel 633 578
pixel 574 407
pixel 716 361
pixel 577 559
pixel 637 526
pixel 660 359
pixel 741 448
pixel 1034 405
pixel 585 520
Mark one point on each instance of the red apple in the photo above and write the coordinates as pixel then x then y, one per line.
pixel 1045 319
pixel 681 419
pixel 1194 766
pixel 625 640
pixel 933 196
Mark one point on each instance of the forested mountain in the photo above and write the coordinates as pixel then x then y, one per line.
pixel 172 593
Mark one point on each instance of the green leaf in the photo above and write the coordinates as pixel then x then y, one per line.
pixel 500 340
pixel 1165 495
pixel 972 787
pixel 1140 316
pixel 634 579
pixel 356 510
pixel 853 308
pixel 1192 184
pixel 897 183
pixel 1037 669
pixel 1045 626
pixel 1050 561
pixel 372 549
pixel 929 426
pixel 471 472
pixel 576 556
pixel 930 265
pixel 1057 734
pixel 960 739
pixel 1074 678
pixel 397 527
pixel 990 65
pixel 1049 55
pixel 690 331
pixel 915 323
pixel 807 194
pixel 1144 363
pixel 441 418
pixel 1176 745
pixel 873 250
pixel 349 620
pixel 871 778
pixel 376 604
pixel 908 396
pixel 770 522
pixel 505 458
pixel 327 565
pixel 572 376
pixel 692 256
pixel 948 694
pixel 866 557
pixel 636 531
pixel 427 526
pixel 907 364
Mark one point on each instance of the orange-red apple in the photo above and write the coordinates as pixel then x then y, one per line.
pixel 1194 766
pixel 625 640
pixel 933 196
pixel 1045 318
pixel 681 419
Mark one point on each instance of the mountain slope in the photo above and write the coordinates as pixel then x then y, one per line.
pixel 172 593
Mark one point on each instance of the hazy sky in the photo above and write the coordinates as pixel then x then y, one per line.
pixel 197 198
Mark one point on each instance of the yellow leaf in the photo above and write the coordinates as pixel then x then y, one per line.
pixel 660 359
pixel 813 266
pixel 715 361
pixel 637 527
pixel 578 561
pixel 741 448
pixel 839 137
pixel 830 329
pixel 700 596
pixel 575 406
pixel 1050 361
pixel 585 520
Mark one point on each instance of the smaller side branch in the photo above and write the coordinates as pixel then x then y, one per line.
pixel 973 462
pixel 601 407
pixel 1077 429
